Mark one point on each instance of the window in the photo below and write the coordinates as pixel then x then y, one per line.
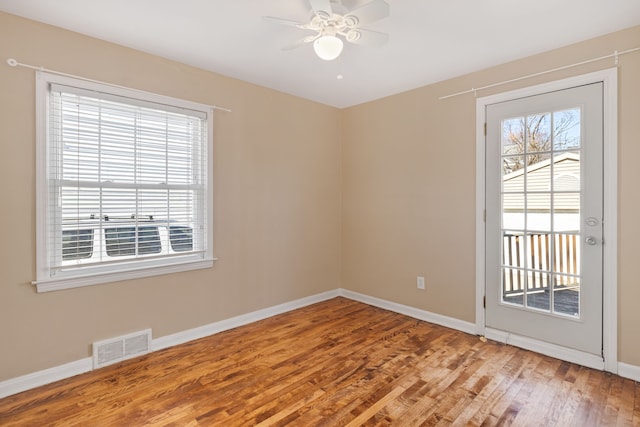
pixel 181 238
pixel 124 183
pixel 77 244
pixel 132 240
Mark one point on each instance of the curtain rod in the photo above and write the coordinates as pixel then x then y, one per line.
pixel 615 55
pixel 13 63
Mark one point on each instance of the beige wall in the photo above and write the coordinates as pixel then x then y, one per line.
pixel 409 187
pixel 276 216
pixel 308 198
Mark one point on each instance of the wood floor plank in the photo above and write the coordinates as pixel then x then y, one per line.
pixel 336 363
pixel 506 387
pixel 636 406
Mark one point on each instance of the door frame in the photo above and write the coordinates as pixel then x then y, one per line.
pixel 609 78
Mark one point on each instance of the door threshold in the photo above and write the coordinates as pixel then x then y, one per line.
pixel 563 353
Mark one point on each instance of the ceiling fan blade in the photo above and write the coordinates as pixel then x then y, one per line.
pixel 370 12
pixel 286 22
pixel 354 4
pixel 321 8
pixel 366 37
pixel 301 42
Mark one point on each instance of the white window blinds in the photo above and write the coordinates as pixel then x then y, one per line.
pixel 127 182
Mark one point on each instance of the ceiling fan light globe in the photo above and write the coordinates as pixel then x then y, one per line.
pixel 328 47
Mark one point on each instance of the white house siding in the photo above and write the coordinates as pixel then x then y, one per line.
pixel 566 196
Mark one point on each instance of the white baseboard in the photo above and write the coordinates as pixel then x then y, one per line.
pixel 40 378
pixel 234 322
pixel 629 371
pixel 416 313
pixel 36 379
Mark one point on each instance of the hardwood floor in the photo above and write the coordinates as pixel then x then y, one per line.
pixel 336 363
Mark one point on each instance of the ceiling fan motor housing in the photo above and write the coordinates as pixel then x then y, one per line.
pixel 346 23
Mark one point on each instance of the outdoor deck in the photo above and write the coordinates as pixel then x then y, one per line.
pixel 540 262
pixel 565 301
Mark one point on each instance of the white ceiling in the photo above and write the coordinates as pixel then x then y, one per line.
pixel 430 40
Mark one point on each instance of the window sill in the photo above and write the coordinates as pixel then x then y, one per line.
pixel 57 284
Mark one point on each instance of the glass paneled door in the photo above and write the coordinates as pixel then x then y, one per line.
pixel 544 217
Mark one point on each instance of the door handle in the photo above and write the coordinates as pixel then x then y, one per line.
pixel 591 241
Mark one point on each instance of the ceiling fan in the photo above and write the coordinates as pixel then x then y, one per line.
pixel 333 18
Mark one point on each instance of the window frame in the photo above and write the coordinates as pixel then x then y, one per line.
pixel 117 271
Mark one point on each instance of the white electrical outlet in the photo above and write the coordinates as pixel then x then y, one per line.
pixel 420 282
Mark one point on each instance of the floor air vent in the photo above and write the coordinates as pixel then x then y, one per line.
pixel 121 348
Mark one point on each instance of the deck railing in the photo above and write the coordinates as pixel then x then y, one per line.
pixel 531 256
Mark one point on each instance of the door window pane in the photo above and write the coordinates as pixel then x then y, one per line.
pixel 566 129
pixel 538 172
pixel 512 173
pixel 513 252
pixel 538 251
pixel 513 284
pixel 538 133
pixel 566 171
pixel 513 211
pixel 539 212
pixel 538 295
pixel 566 212
pixel 513 136
pixel 566 295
